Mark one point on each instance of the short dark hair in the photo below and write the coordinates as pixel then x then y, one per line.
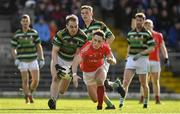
pixel 87 7
pixel 141 15
pixel 71 17
pixel 99 33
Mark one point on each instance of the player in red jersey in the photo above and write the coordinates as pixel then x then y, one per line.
pixel 91 60
pixel 154 60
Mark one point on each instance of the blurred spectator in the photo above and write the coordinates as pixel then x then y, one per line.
pixel 164 22
pixel 8 7
pixel 107 7
pixel 174 36
pixel 44 33
pixel 29 9
pixel 53 29
pixel 122 15
pixel 58 15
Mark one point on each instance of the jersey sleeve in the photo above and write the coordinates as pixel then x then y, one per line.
pixel 106 30
pixel 36 37
pixel 160 38
pixel 57 41
pixel 150 40
pixel 83 39
pixel 14 42
pixel 107 49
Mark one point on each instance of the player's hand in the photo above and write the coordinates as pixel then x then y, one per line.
pixel 137 56
pixel 41 63
pixel 109 60
pixel 166 63
pixel 75 80
pixel 16 62
pixel 60 71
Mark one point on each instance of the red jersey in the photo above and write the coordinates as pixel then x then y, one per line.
pixel 158 38
pixel 93 58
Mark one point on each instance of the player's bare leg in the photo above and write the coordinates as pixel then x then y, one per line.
pixel 64 84
pixel 35 80
pixel 92 92
pixel 144 84
pixel 54 89
pixel 34 83
pixel 25 84
pixel 156 86
pixel 128 75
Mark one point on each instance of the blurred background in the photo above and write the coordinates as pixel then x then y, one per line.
pixel 48 16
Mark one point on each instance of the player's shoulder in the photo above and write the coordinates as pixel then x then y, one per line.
pixel 158 35
pixel 61 32
pixel 105 45
pixel 82 32
pixel 146 32
pixel 99 22
pixel 18 31
pixel 85 47
pixel 131 32
pixel 33 31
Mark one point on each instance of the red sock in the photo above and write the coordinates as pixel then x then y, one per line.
pixel 141 99
pixel 100 94
pixel 157 98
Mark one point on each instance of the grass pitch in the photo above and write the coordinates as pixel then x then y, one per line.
pixel 84 106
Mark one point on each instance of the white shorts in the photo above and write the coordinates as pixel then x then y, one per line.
pixel 90 78
pixel 154 66
pixel 25 66
pixel 62 62
pixel 140 66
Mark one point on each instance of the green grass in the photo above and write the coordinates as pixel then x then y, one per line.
pixel 83 106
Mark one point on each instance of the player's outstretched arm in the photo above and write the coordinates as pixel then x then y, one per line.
pixel 77 60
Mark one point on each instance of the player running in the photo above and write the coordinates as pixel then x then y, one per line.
pixel 91 60
pixel 65 46
pixel 91 25
pixel 27 51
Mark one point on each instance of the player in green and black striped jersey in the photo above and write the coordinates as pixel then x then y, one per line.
pixel 66 45
pixel 26 49
pixel 141 44
pixel 91 25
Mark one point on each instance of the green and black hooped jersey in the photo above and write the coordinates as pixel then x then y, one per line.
pixel 139 41
pixel 68 44
pixel 97 25
pixel 25 44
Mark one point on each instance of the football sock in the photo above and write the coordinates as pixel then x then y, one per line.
pixel 100 95
pixel 141 99
pixel 121 100
pixel 157 98
pixel 108 102
pixel 146 99
pixel 115 85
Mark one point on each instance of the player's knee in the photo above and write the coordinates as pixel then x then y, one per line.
pixel 24 82
pixel 94 100
pixel 125 84
pixel 144 86
pixel 55 79
pixel 61 92
pixel 35 82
